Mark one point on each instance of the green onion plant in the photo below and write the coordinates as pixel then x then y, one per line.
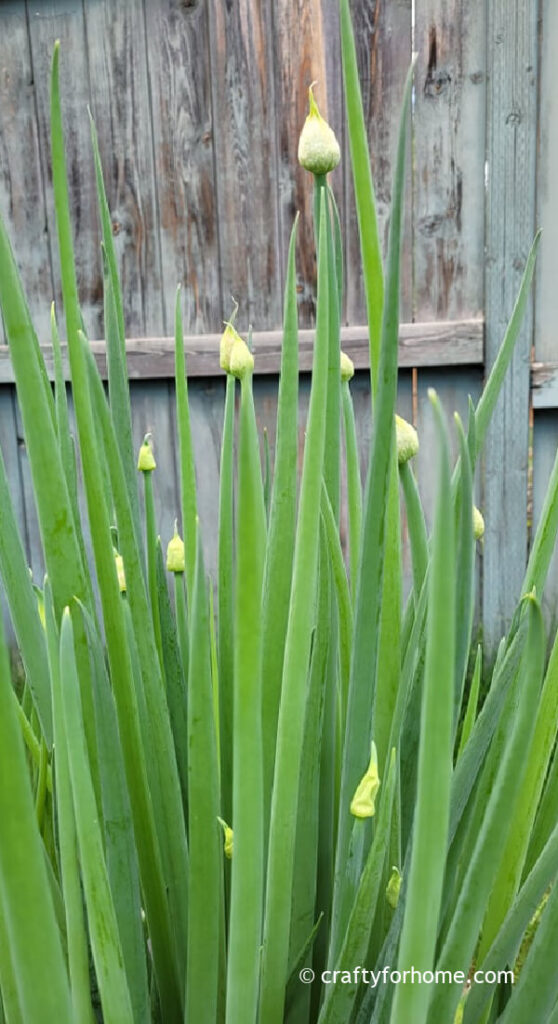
pixel 285 794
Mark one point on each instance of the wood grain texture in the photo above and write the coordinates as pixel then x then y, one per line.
pixel 544 378
pixel 50 20
pixel 22 200
pixel 544 385
pixel 306 49
pixel 241 41
pixel 118 87
pixel 151 414
pixel 10 444
pixel 511 141
pixel 183 134
pixel 383 43
pixel 546 334
pixel 449 146
pixel 454 343
pixel 31 519
pixel 545 446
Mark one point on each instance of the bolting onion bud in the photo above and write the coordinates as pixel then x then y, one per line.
pixel 228 834
pixel 146 460
pixel 228 338
pixel 478 524
pixel 362 804
pixel 318 149
pixel 120 572
pixel 347 367
pixel 407 440
pixel 393 887
pixel 241 359
pixel 175 552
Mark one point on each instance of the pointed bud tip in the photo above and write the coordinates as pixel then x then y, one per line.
pixel 318 148
pixel 363 803
pixel 146 459
pixel 175 552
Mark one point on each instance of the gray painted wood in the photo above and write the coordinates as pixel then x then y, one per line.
pixel 383 43
pixel 307 49
pixel 454 343
pixel 151 414
pixel 511 141
pixel 118 82
pixel 241 40
pixel 34 545
pixel 22 200
pixel 545 371
pixel 10 445
pixel 177 42
pixel 544 380
pixel 50 20
pixel 546 335
pixel 545 446
pixel 449 146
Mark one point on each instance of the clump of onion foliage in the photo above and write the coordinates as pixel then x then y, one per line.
pixel 205 797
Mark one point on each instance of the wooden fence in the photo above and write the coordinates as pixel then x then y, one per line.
pixel 198 105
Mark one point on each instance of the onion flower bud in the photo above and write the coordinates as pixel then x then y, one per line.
pixel 347 367
pixel 146 460
pixel 478 523
pixel 393 887
pixel 175 552
pixel 228 842
pixel 406 439
pixel 362 804
pixel 318 149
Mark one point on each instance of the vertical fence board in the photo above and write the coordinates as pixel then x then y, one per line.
pixel 545 447
pixel 118 83
pixel 306 44
pixel 449 140
pixel 50 20
pixel 151 414
pixel 10 454
pixel 183 132
pixel 545 439
pixel 244 139
pixel 383 43
pixel 511 141
pixel 22 202
pixel 29 508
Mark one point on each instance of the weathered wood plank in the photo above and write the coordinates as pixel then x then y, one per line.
pixel 31 519
pixel 241 38
pixel 50 20
pixel 22 200
pixel 9 443
pixel 546 346
pixel 151 414
pixel 453 388
pixel 544 378
pixel 183 133
pixel 511 152
pixel 383 42
pixel 454 343
pixel 545 446
pixel 449 148
pixel 306 44
pixel 119 90
pixel 544 385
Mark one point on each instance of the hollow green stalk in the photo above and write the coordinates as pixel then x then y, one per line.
pixel 295 670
